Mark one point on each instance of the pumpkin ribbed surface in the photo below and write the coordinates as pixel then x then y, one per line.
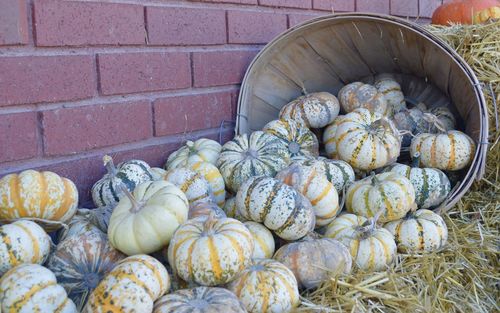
pixel 231 209
pixel 359 95
pixel 199 300
pixel 391 89
pixel 202 150
pixel 263 240
pixel 278 206
pixel 43 195
pixel 338 172
pixel 202 208
pixel 191 183
pixel 22 242
pixel 419 231
pixel 251 155
pixel 210 251
pixel 329 138
pixel 266 286
pixel 314 110
pixel 31 288
pixel 131 287
pixel 214 178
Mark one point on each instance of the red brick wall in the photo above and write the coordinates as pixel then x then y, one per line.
pixel 134 78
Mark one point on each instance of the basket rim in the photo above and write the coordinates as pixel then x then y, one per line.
pixel 478 165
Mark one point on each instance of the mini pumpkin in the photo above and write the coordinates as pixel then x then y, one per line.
pixel 329 138
pixel 231 210
pixel 266 286
pixel 431 185
pixel 108 190
pixel 191 183
pixel 79 224
pixel 387 85
pixel 389 193
pixel 33 288
pixel 43 196
pixel 214 178
pixel 132 286
pixel 367 140
pixel 200 300
pixel 372 248
pixel 301 142
pixel 314 110
pixel 316 188
pixel 338 172
pixel 202 208
pixel 263 240
pixel 278 206
pixel 210 251
pixel 144 222
pixel 419 231
pixel 81 262
pixel 452 150
pixel 359 95
pixel 251 155
pixel 201 150
pixel 22 242
pixel 313 259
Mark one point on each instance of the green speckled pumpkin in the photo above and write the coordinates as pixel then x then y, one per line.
pixel 201 150
pixel 387 85
pixel 191 183
pixel 314 110
pixel 359 95
pixel 338 172
pixel 263 239
pixel 329 138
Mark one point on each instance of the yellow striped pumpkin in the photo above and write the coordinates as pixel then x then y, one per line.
pixel 366 140
pixel 144 222
pixel 214 178
pixel 263 240
pixel 232 211
pixel 131 287
pixel 301 141
pixel 200 300
pixel 419 231
pixel 313 260
pixel 314 110
pixel 251 155
pixel 451 151
pixel 202 208
pixel 338 172
pixel 329 138
pixel 359 95
pixel 210 251
pixel 314 185
pixel 279 207
pixel 390 193
pixel 191 183
pixel 22 242
pixel 372 248
pixel 201 150
pixel 391 89
pixel 40 195
pixel 266 286
pixel 33 288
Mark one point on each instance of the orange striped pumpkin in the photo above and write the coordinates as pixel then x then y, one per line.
pixel 210 251
pixel 359 95
pixel 201 150
pixel 22 242
pixel 202 208
pixel 131 287
pixel 329 138
pixel 191 183
pixel 40 195
pixel 314 110
pixel 214 178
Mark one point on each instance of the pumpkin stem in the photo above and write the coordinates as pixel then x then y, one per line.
pixel 369 226
pixel 434 120
pixel 190 144
pixel 375 180
pixel 415 162
pixel 136 206
pixel 210 221
pixel 110 166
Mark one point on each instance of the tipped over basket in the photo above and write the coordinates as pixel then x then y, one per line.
pixel 326 53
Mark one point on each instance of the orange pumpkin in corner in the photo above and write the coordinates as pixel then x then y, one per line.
pixel 466 12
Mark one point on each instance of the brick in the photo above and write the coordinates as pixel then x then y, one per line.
pixel 373 6
pixel 220 67
pixel 297 18
pixel 73 130
pixel 229 1
pixel 427 7
pixel 69 23
pixel 193 112
pixel 254 27
pixel 301 4
pixel 13 22
pixel 148 71
pixel 183 26
pixel 18 139
pixel 37 79
pixel 404 7
pixel 336 5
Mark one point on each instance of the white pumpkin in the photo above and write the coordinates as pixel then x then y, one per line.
pixel 231 209
pixel 29 288
pixel 214 178
pixel 389 193
pixel 279 207
pixel 191 183
pixel 158 173
pixel 22 242
pixel 266 286
pixel 391 89
pixel 359 95
pixel 314 110
pixel 263 240
pixel 366 140
pixel 329 138
pixel 338 172
pixel 372 248
pixel 144 222
pixel 201 150
pixel 419 231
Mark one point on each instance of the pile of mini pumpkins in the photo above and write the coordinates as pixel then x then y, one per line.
pixel 201 234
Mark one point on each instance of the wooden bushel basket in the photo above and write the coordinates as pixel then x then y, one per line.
pixel 328 52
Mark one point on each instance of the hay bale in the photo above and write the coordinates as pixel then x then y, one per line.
pixel 464 276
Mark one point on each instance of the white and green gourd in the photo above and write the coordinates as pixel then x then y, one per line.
pixel 391 89
pixel 231 210
pixel 201 150
pixel 203 208
pixel 214 178
pixel 263 240
pixel 313 110
pixel 359 95
pixel 329 140
pixel 338 172
pixel 193 184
